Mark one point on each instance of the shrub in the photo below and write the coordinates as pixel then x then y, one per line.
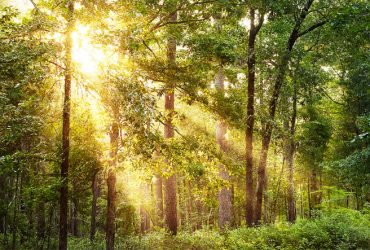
pixel 339 229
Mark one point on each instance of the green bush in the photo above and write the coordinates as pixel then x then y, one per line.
pixel 339 229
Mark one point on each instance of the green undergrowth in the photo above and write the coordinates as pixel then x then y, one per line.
pixel 339 229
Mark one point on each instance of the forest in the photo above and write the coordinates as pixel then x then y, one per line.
pixel 184 124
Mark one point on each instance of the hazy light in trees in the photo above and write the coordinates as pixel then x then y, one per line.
pixel 87 56
pixel 21 5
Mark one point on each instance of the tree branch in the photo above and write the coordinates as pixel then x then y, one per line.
pixel 260 21
pixel 183 21
pixel 54 63
pixel 35 6
pixel 313 27
pixel 147 46
pixel 182 6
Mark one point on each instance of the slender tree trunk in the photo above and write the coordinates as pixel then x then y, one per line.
pixel 290 160
pixel 159 199
pixel 2 201
pixel 15 210
pixel 144 215
pixel 41 220
pixel 74 218
pixel 95 193
pixel 224 195
pixel 63 217
pixel 199 208
pixel 50 226
pixel 267 132
pixel 314 190
pixel 301 197
pixel 40 212
pixel 180 203
pixel 309 197
pixel 170 181
pixel 261 178
pixel 253 31
pixel 70 220
pixel 144 220
pixel 266 206
pixel 190 205
pixel 111 182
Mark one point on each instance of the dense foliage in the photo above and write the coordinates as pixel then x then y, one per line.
pixel 342 229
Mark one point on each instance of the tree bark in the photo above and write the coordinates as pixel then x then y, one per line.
pixel 63 217
pixel 253 31
pixel 290 160
pixel 159 199
pixel 95 193
pixel 267 131
pixel 41 220
pixel 111 181
pixel 224 195
pixel 144 215
pixel 15 210
pixel 170 181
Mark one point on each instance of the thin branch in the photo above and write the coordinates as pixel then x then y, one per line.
pixel 328 96
pixel 54 63
pixel 315 44
pixel 313 27
pixel 35 6
pixel 183 21
pixel 147 46
pixel 180 7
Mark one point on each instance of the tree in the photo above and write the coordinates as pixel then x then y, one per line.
pixel 169 132
pixel 111 181
pixel 279 80
pixel 63 218
pixel 224 195
pixel 253 31
pixel 290 148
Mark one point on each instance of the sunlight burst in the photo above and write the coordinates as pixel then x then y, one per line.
pixel 87 56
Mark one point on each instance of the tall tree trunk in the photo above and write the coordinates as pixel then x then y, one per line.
pixel 159 199
pixel 224 195
pixel 144 215
pixel 95 193
pixel 144 219
pixel 170 181
pixel 2 203
pixel 41 220
pixel 314 190
pixel 290 160
pixel 199 208
pixel 309 197
pixel 190 205
pixel 51 222
pixel 75 218
pixel 40 211
pixel 15 210
pixel 111 181
pixel 266 206
pixel 253 31
pixel 267 131
pixel 63 217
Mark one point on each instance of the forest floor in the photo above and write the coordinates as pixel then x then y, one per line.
pixel 338 229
